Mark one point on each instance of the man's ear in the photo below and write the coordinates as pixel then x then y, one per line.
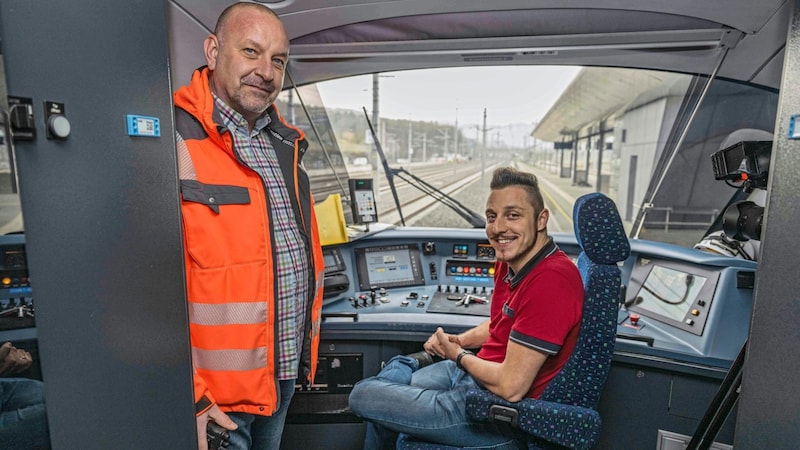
pixel 541 221
pixel 211 50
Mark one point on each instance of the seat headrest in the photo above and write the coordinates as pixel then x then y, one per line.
pixel 599 229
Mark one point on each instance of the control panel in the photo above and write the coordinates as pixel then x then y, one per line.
pixel 674 301
pixel 672 293
pixel 16 299
pixel 423 273
pixel 470 271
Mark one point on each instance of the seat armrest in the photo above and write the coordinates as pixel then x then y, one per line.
pixel 566 425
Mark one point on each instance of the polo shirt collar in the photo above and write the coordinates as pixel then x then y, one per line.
pixel 515 278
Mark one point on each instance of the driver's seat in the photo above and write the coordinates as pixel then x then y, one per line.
pixel 565 416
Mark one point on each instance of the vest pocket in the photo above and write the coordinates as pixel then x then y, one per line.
pixel 213 195
pixel 222 226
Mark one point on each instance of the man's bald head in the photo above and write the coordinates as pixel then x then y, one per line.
pixel 222 20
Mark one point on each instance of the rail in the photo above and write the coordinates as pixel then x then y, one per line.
pixel 449 178
pixel 669 212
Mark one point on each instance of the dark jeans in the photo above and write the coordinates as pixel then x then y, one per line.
pixel 262 432
pixel 429 403
pixel 23 418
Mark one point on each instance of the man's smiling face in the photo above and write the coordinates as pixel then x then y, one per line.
pixel 513 226
pixel 248 61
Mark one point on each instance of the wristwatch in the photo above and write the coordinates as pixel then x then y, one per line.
pixel 461 355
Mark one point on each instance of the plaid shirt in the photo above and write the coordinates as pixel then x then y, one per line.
pixel 291 257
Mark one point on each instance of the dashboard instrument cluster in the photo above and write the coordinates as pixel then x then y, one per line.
pixel 671 298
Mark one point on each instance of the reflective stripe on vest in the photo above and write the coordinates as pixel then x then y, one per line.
pixel 247 313
pixel 185 165
pixel 228 359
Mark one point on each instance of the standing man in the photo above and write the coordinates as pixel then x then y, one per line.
pixel 253 260
pixel 533 328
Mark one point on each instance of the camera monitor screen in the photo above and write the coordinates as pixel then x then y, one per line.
pixel 389 266
pixel 674 296
pixel 332 257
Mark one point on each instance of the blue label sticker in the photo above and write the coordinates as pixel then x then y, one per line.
pixel 794 127
pixel 143 126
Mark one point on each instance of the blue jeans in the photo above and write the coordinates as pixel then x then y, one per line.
pixel 23 418
pixel 262 432
pixel 429 403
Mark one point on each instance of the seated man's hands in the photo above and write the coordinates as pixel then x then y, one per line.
pixel 448 344
pixel 434 344
pixel 13 360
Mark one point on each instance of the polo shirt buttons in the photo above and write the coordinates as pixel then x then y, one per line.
pixel 212 200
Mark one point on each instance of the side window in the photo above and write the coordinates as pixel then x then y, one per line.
pixel 10 211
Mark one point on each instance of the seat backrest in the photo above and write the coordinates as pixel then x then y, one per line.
pixel 603 242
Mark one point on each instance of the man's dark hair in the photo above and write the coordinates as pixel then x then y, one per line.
pixel 504 177
pixel 227 12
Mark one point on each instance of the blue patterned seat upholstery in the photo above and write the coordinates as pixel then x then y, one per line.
pixel 565 416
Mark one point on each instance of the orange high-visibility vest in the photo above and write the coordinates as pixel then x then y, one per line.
pixel 229 257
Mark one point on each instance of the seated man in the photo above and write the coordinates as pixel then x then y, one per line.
pixel 23 420
pixel 533 328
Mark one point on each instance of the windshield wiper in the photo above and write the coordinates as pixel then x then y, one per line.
pixel 467 214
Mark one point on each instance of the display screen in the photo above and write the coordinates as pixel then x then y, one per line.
pixel 460 250
pixel 389 266
pixel 328 259
pixel 677 294
pixel 669 292
pixel 332 257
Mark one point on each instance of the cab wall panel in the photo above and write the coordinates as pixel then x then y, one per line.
pixel 101 213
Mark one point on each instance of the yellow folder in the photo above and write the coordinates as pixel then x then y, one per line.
pixel 330 220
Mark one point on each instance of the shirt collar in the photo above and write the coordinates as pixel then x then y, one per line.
pixel 232 120
pixel 515 278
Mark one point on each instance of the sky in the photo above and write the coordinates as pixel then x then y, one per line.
pixel 510 95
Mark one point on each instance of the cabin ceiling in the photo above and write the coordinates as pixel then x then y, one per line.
pixel 332 39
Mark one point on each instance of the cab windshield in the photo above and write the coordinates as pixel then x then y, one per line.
pixel 644 138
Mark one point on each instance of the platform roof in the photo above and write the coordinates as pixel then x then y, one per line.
pixel 597 94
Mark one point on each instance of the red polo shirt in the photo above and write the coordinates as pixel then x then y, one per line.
pixel 540 307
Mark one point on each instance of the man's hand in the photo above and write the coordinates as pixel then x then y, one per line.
pixel 13 360
pixel 215 414
pixel 433 345
pixel 448 344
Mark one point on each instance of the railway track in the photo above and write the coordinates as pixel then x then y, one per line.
pixel 446 177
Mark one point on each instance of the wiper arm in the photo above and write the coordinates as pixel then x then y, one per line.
pixel 469 215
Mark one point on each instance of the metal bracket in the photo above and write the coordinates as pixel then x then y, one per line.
pixel 504 414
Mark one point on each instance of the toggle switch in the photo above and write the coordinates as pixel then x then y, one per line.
pixel 20 111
